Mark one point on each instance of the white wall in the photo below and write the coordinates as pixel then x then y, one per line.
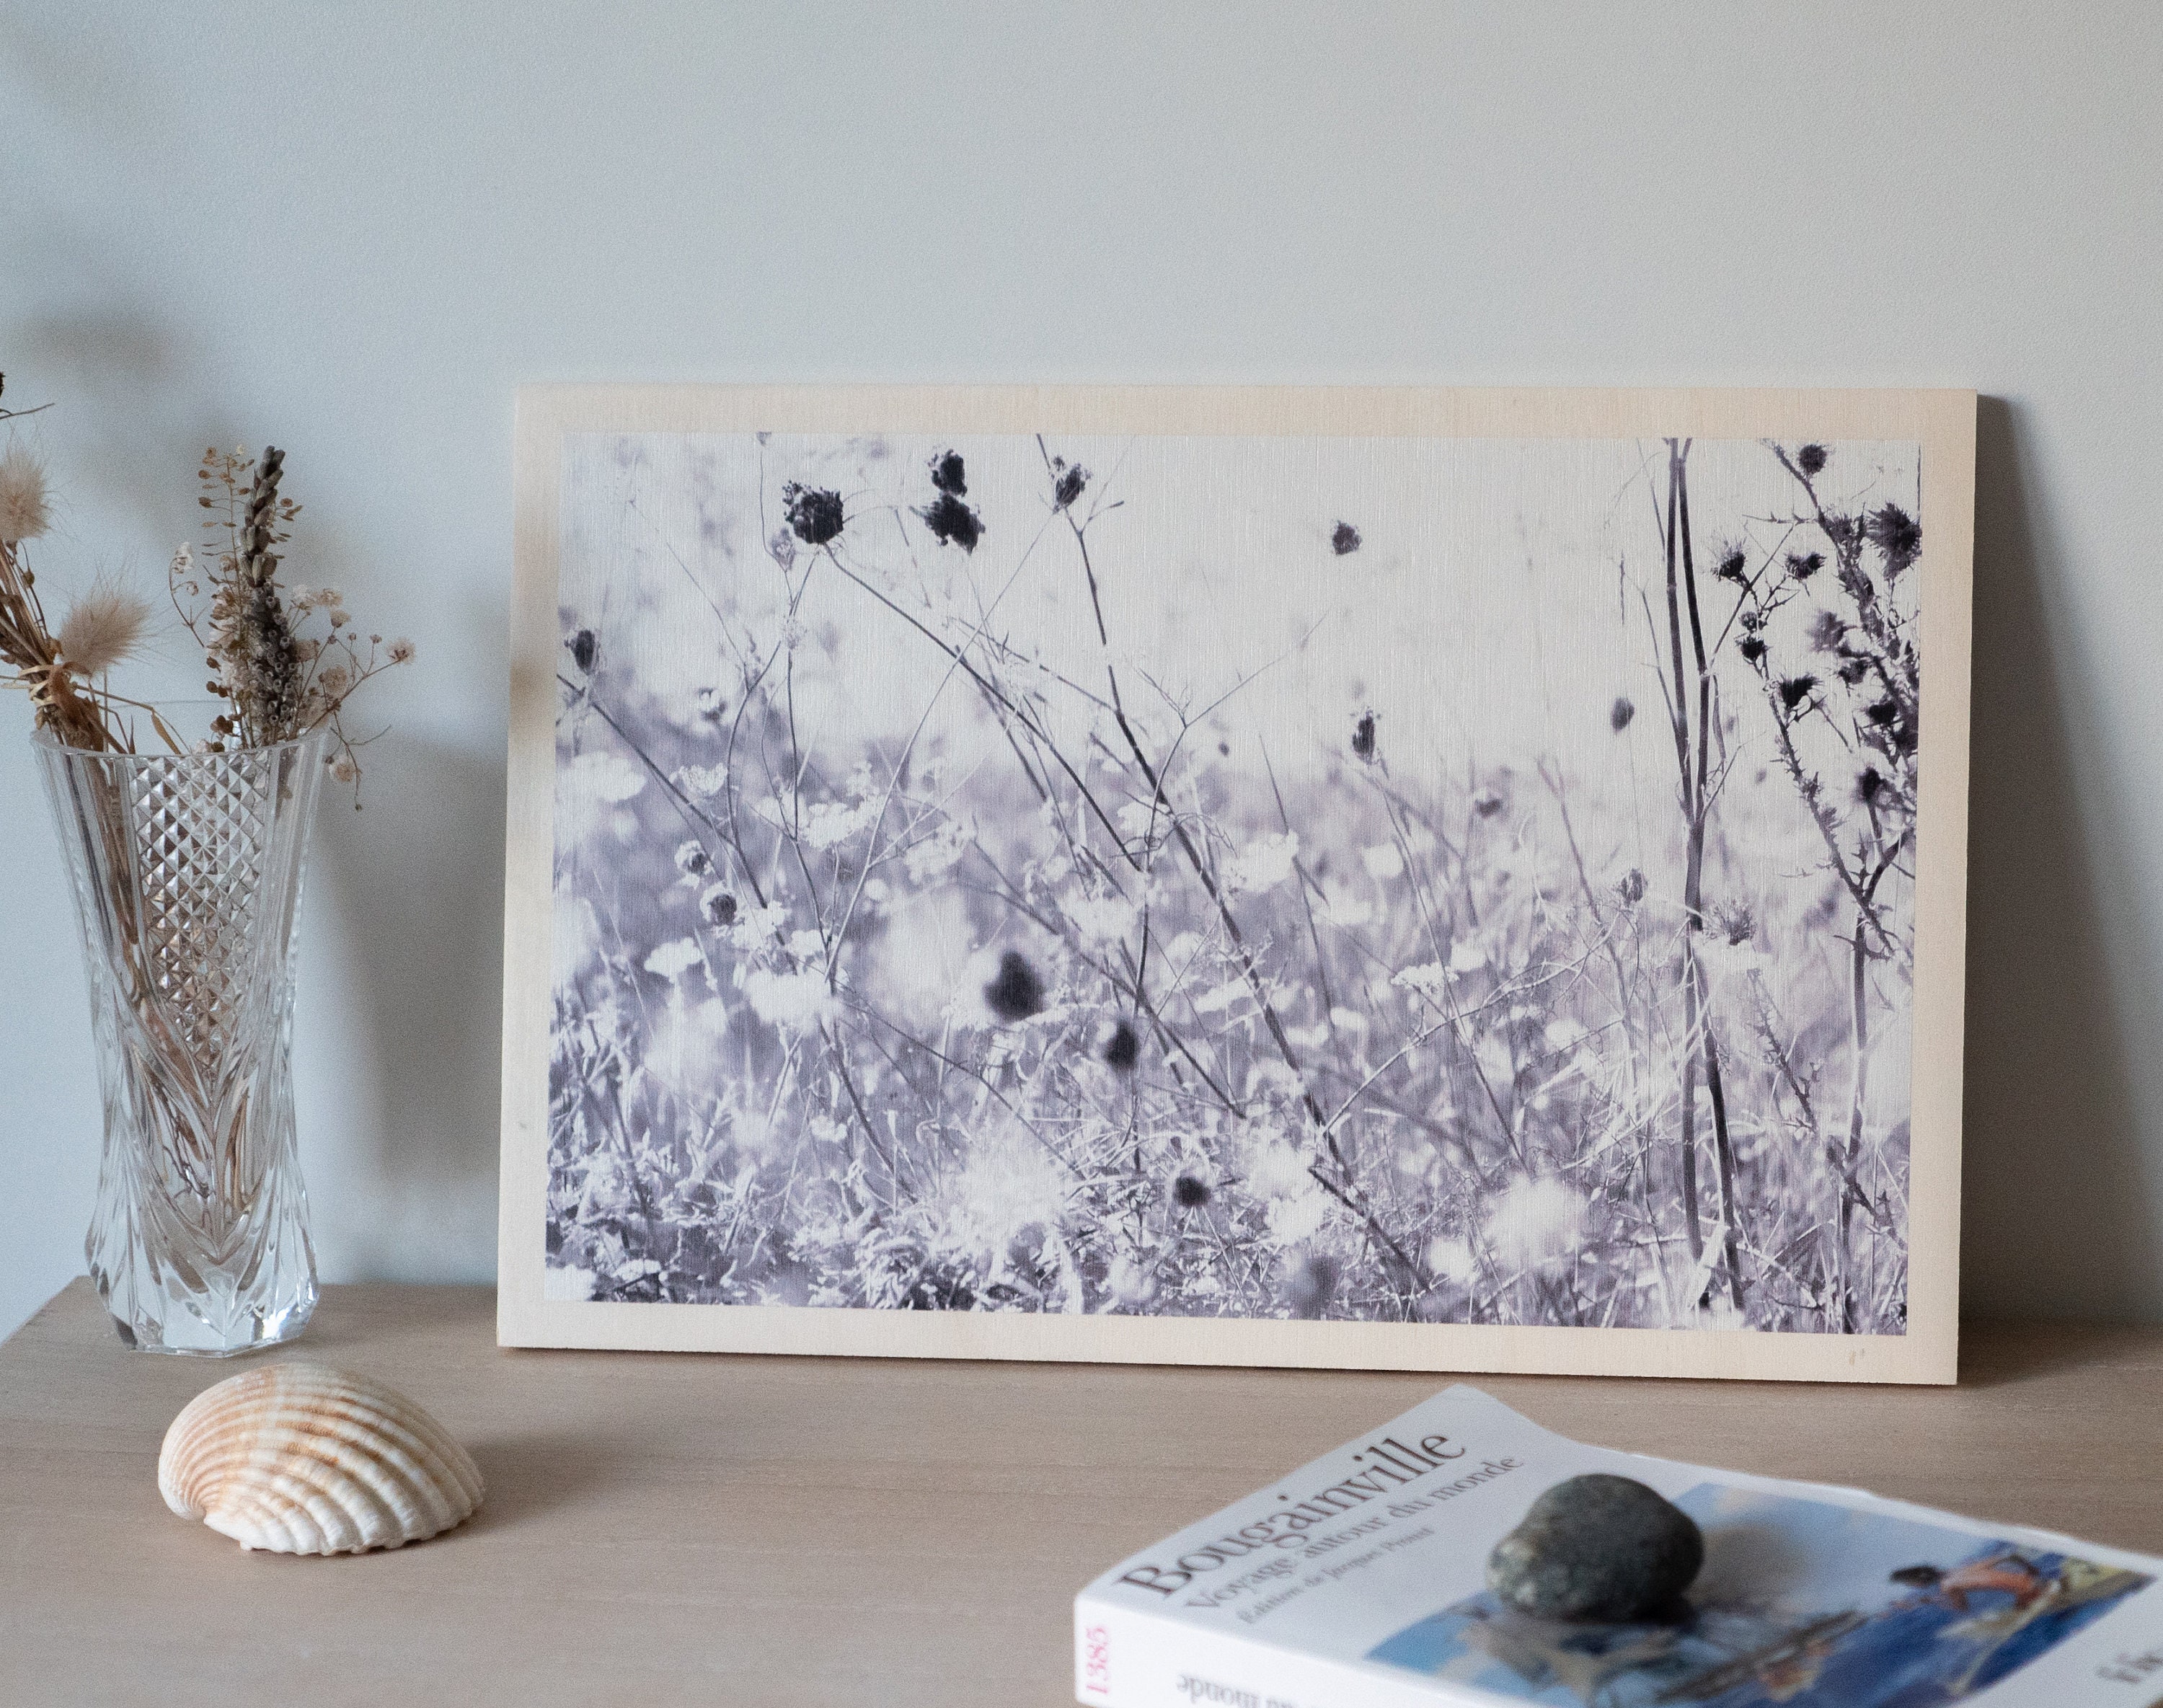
pixel 353 230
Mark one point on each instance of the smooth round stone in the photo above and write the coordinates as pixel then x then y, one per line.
pixel 1597 1547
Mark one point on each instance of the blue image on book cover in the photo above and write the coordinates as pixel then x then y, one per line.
pixel 1800 1603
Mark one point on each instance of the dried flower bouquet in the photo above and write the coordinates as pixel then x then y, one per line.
pixel 285 660
pixel 187 864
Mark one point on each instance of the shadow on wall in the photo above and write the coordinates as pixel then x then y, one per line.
pixel 2054 1204
pixel 122 379
pixel 425 947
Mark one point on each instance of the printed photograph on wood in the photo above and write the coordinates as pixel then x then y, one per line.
pixel 1463 881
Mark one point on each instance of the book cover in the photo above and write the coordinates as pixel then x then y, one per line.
pixel 1361 1579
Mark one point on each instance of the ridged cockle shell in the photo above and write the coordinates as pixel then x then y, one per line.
pixel 302 1459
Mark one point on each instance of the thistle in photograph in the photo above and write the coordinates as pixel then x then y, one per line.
pixel 1872 710
pixel 1391 881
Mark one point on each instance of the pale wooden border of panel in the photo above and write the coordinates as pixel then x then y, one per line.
pixel 1942 421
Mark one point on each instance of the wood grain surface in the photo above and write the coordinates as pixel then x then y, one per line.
pixel 749 1530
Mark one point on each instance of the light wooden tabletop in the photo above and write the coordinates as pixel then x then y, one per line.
pixel 664 1529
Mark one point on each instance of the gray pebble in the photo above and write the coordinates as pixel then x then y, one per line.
pixel 1597 1547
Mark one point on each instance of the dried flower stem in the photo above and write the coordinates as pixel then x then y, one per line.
pixel 280 682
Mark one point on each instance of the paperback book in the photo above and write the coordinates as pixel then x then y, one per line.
pixel 1362 1581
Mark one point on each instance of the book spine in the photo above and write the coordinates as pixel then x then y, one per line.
pixel 1125 1657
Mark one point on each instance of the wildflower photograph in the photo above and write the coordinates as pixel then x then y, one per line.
pixel 1413 880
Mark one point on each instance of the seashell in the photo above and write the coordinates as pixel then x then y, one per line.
pixel 302 1459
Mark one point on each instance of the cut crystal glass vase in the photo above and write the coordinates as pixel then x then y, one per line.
pixel 186 871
